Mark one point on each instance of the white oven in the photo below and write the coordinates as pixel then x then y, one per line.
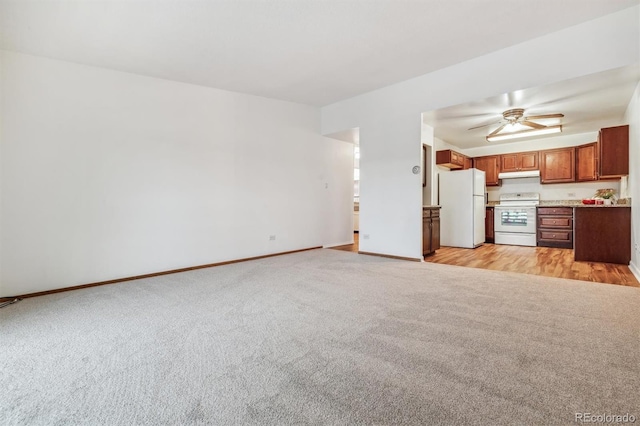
pixel 515 219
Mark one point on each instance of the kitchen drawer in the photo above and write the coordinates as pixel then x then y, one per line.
pixel 555 235
pixel 555 211
pixel 555 222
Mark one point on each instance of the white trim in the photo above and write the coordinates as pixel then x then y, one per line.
pixel 634 270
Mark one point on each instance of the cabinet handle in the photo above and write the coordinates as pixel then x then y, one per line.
pixel 554 235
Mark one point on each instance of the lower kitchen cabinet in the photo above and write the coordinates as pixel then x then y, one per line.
pixel 603 234
pixel 555 227
pixel 430 230
pixel 489 234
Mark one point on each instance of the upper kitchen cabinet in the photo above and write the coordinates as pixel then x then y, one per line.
pixel 491 167
pixel 587 162
pixel 558 165
pixel 613 145
pixel 468 163
pixel 519 162
pixel 450 159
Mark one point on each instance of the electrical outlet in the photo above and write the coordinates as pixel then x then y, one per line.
pixel 571 194
pixel 365 236
pixel 272 237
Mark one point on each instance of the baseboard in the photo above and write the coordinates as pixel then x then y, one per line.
pixel 156 274
pixel 348 243
pixel 634 270
pixel 412 259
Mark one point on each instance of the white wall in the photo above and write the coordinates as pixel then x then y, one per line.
pixel 633 118
pixel 390 194
pixel 588 48
pixel 552 191
pixel 583 49
pixel 107 175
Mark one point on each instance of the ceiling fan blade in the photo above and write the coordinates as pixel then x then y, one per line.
pixel 532 124
pixel 538 117
pixel 485 125
pixel 496 131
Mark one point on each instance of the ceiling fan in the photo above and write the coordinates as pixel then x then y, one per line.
pixel 516 116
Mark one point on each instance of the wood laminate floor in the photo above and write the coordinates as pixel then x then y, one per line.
pixel 550 262
pixel 350 247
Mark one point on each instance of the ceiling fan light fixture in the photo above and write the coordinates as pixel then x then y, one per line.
pixel 525 133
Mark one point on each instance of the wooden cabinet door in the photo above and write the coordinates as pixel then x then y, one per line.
pixel 491 166
pixel 488 225
pixel 468 163
pixel 614 151
pixel 426 235
pixel 603 235
pixel 430 230
pixel 455 158
pixel 450 159
pixel 509 163
pixel 435 233
pixel 558 165
pixel 518 162
pixel 586 162
pixel 529 161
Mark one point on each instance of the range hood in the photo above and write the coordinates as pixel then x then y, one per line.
pixel 513 175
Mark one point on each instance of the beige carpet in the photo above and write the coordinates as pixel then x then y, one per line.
pixel 323 337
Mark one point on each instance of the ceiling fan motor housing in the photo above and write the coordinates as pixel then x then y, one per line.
pixel 513 115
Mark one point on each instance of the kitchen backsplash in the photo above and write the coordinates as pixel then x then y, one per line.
pixel 557 191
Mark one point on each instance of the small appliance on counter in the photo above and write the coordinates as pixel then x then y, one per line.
pixel 462 197
pixel 515 219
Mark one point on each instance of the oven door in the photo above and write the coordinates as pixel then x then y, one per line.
pixel 515 219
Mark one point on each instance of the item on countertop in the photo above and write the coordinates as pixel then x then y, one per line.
pixel 605 193
pixel 588 201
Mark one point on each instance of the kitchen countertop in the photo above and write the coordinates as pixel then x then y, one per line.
pixel 567 203
pixel 432 207
pixel 577 203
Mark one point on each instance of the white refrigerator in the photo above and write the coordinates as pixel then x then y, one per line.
pixel 462 198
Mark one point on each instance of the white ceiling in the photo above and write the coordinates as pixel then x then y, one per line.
pixel 310 51
pixel 588 104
